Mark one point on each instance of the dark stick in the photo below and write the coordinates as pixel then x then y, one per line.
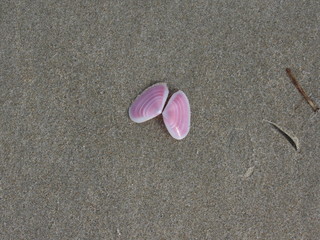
pixel 301 90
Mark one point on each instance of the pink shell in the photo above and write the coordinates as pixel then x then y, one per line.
pixel 149 103
pixel 176 115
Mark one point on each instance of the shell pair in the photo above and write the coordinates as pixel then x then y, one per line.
pixel 151 103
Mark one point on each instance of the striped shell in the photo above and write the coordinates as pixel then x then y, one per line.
pixel 176 115
pixel 149 103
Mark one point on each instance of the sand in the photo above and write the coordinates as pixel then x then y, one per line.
pixel 74 166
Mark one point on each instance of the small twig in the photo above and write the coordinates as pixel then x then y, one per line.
pixel 314 106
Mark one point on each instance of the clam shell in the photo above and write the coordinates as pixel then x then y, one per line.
pixel 149 103
pixel 176 115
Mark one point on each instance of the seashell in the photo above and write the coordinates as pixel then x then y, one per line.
pixel 176 115
pixel 149 103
